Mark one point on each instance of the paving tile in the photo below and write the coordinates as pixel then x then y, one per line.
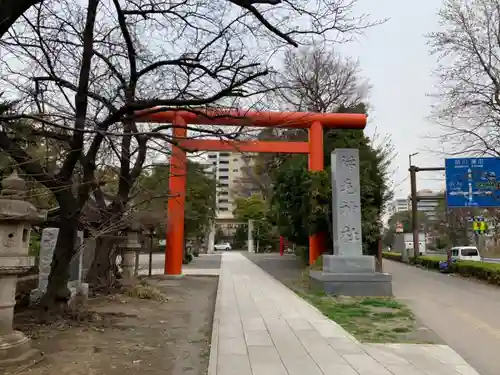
pixel 466 370
pixel 233 364
pixel 258 338
pixel 404 369
pixel 230 331
pixel 329 330
pixel 431 366
pixel 298 324
pixel 365 365
pixel 254 324
pixel 385 355
pixel 265 360
pixel 344 345
pixel 233 345
pixel 446 355
pixel 335 369
pixel 319 350
pixel 297 366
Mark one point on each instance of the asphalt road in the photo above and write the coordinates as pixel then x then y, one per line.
pixel 464 313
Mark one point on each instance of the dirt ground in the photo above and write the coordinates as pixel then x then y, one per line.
pixel 128 335
pixel 369 319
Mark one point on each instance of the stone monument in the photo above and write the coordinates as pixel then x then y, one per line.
pixel 47 246
pixel 16 217
pixel 348 272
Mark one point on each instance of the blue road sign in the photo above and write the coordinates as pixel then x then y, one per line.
pixel 473 182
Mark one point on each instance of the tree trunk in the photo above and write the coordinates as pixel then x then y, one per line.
pixel 102 272
pixel 57 293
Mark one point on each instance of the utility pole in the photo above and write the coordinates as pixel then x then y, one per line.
pixel 414 202
pixel 414 211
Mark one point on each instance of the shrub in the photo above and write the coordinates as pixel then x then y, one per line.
pixel 489 272
pixel 431 262
pixel 392 256
pixel 303 253
pixel 188 258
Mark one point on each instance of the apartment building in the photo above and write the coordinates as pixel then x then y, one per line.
pixel 429 206
pixel 398 205
pixel 228 169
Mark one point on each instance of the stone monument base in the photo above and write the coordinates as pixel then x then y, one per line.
pixel 351 276
pixel 348 264
pixel 15 349
pixel 353 284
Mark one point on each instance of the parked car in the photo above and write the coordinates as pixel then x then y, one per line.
pixel 223 246
pixel 465 253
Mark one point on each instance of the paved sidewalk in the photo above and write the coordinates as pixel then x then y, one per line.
pixel 263 328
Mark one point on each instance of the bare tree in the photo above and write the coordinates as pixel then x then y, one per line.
pixel 319 80
pixel 467 98
pixel 312 79
pixel 82 72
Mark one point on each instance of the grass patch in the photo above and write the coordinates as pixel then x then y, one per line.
pixel 369 319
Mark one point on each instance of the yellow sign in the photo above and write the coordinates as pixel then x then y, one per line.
pixel 479 226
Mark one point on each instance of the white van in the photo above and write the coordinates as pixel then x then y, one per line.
pixel 465 253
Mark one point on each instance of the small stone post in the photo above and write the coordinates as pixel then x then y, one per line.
pixel 16 217
pixel 211 239
pixel 130 247
pixel 250 237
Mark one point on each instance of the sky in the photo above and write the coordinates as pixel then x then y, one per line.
pixel 396 60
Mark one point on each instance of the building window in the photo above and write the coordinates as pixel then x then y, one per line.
pixel 223 193
pixel 223 200
pixel 223 209
pixel 223 169
pixel 224 154
pixel 212 156
pixel 223 177
pixel 224 185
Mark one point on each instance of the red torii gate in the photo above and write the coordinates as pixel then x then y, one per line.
pixel 315 122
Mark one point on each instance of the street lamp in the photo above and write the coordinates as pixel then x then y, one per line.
pixel 409 157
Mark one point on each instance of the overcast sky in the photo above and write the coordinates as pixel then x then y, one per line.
pixel 396 60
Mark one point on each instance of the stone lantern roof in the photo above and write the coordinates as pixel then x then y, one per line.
pixel 13 206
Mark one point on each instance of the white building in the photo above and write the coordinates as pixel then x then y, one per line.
pixel 398 205
pixel 429 206
pixel 227 168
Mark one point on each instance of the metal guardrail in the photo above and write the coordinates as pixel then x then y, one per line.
pixel 491 260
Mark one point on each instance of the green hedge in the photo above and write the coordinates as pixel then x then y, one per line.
pixel 392 256
pixel 489 272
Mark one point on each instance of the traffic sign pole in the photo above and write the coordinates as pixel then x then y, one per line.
pixel 414 205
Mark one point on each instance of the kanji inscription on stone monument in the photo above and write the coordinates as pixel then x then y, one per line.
pixel 346 203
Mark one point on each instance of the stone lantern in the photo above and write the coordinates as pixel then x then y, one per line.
pixel 130 247
pixel 16 217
